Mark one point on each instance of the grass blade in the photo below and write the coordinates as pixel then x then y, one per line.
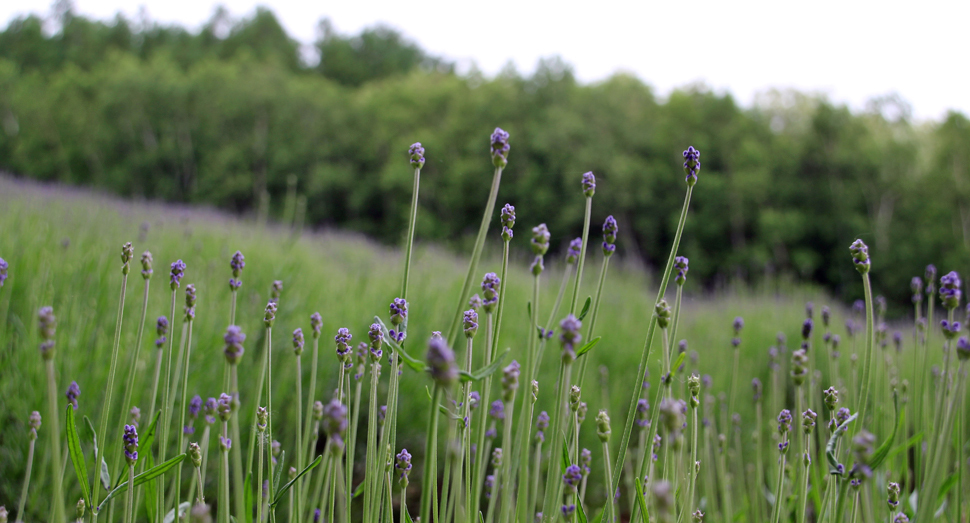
pixel 290 483
pixel 144 477
pixel 588 347
pixel 641 501
pixel 77 455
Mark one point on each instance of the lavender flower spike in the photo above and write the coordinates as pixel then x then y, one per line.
pixel 48 327
pixel 3 271
pixel 416 153
pixel 441 363
pixel 127 253
pixel 146 266
pixel 860 256
pixel 399 311
pixel 540 239
pixel 470 323
pixel 298 341
pixel 178 271
pixel 681 265
pixel 589 184
pixel 570 337
pixel 500 148
pixel 950 290
pixel 402 466
pixel 491 284
pixel 73 391
pixel 692 164
pixel 610 229
pixel 131 444
pixel 508 221
pixel 233 349
pixel 572 253
pixel 161 328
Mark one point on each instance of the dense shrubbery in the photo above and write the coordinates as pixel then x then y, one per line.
pixel 223 115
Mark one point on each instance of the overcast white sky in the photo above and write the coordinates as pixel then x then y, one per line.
pixel 850 50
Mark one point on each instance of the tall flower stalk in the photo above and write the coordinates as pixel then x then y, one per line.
pixel 372 480
pixel 131 457
pixel 236 264
pixel 692 166
pixel 589 189
pixel 48 329
pixel 444 373
pixel 610 229
pixel 862 262
pixel 570 339
pixel 33 422
pixel 784 427
pixel 190 299
pixel 500 155
pixel 416 154
pixel 298 352
pixel 126 255
pixel 510 384
pixel 316 327
pixel 175 279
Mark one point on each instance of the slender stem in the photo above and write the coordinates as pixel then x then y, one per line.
pixel 582 256
pixel 404 505
pixel 803 496
pixel 311 397
pixel 779 488
pixel 225 477
pixel 160 352
pixel 133 361
pixel 591 324
pixel 236 451
pixel 430 479
pixel 130 505
pixel 507 463
pixel 476 254
pixel 412 218
pixel 57 471
pixel 269 402
pixel 23 493
pixel 299 435
pixel 182 407
pixel 554 487
pixel 370 477
pixel 552 317
pixel 479 465
pixel 106 406
pixel 160 485
pixel 631 410
pixel 525 417
pixel 536 473
pixel 610 499
pixel 232 307
pixel 256 404
pixel 867 363
pixel 504 285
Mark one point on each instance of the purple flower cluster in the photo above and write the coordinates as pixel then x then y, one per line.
pixel 574 250
pixel 508 221
pixel 681 265
pixel 692 164
pixel 491 285
pixel 963 349
pixel 344 351
pixel 589 184
pixel 610 228
pixel 178 271
pixel 399 311
pixel 146 266
pixel 542 424
pixel 540 239
pixel 376 336
pixel 441 362
pixel 950 290
pixel 233 349
pixel 570 337
pixel 298 341
pixel 643 413
pixel 510 380
pixel 571 478
pixel 237 264
pixel 860 256
pixel 73 391
pixel 4 266
pixel 161 329
pixel 402 465
pixel 470 323
pixel 500 148
pixel 47 323
pixel 131 444
pixel 416 154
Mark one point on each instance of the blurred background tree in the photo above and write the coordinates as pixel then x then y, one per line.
pixel 230 112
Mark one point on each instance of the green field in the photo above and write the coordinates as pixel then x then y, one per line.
pixel 63 249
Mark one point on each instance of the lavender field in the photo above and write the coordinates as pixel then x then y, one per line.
pixel 318 376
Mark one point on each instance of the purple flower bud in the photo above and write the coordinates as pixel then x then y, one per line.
pixel 161 328
pixel 470 323
pixel 950 290
pixel 3 271
pixel 930 278
pixel 269 316
pixel 343 338
pixel 441 363
pixel 73 391
pixel 574 250
pixel 211 410
pixel 571 478
pixel 489 485
pixel 570 337
pixel 195 406
pixel 510 380
pixel 474 398
pixel 178 271
pixel 233 349
pixel 542 421
pixel 963 349
pixel 416 153
pixel 500 148
pixel 756 386
pixel 692 164
pixel 950 329
pixel 402 467
pixel 540 239
pixel 376 336
pixel 491 284
pixel 131 444
pixel 275 291
pixel 399 311
pixel 48 327
pixel 316 324
pixel 589 184
pixel 860 256
pixel 237 264
pixel 224 406
pixel 225 443
pixel 334 418
pixel 681 265
pixel 643 413
pixel 497 410
pixel 784 421
pixel 298 341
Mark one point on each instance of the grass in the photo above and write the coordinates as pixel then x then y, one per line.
pixel 62 246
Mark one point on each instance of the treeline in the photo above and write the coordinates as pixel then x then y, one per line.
pixel 231 112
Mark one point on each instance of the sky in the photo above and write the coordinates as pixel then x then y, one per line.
pixel 848 50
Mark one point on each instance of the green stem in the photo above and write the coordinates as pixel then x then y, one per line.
pixel 631 410
pixel 55 439
pixel 106 407
pixel 224 509
pixel 507 463
pixel 126 402
pixel 779 488
pixel 235 452
pixel 299 435
pixel 593 313
pixel 430 479
pixel 23 493
pixel 582 256
pixel 311 397
pixel 269 403
pixel 503 285
pixel 478 474
pixel 610 502
pixel 182 407
pixel 130 505
pixel 160 485
pixel 525 417
pixel 370 477
pixel 553 486
pixel 412 219
pixel 256 404
pixel 476 254
pixel 536 473
pixel 867 364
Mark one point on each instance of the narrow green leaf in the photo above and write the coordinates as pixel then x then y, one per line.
pixel 465 376
pixel 588 347
pixel 678 362
pixel 481 518
pixel 151 494
pixel 248 498
pixel 359 490
pixel 599 515
pixel 585 310
pixel 883 451
pixel 528 309
pixel 290 483
pixel 492 367
pixel 77 456
pixel 947 485
pixel 278 475
pixel 565 455
pixel 833 441
pixel 144 477
pixel 907 445
pixel 410 361
pixel 581 513
pixel 641 501
pixel 148 439
pixel 407 517
pixel 105 475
